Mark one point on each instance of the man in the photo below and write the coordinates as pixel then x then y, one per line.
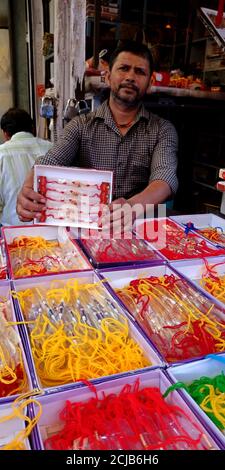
pixel 17 156
pixel 121 135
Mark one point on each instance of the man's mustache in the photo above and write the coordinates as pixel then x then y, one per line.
pixel 129 85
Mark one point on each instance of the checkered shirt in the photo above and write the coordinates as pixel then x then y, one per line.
pixel 147 152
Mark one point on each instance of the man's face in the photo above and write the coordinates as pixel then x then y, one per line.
pixel 129 78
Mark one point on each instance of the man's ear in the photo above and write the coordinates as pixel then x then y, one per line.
pixel 107 77
pixel 6 135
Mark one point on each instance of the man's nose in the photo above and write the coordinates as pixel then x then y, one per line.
pixel 130 75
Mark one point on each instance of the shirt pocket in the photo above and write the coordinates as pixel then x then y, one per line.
pixel 140 169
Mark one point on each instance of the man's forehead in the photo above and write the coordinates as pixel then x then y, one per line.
pixel 130 58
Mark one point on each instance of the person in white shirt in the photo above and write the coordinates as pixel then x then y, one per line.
pixel 17 156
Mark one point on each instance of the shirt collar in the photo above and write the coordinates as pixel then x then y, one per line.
pixel 103 112
pixel 21 135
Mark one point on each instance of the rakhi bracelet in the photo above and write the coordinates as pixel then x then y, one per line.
pixel 64 302
pixel 3 263
pixel 3 272
pixel 209 394
pixel 13 378
pixel 35 255
pixel 178 319
pixel 19 407
pixel 69 214
pixel 101 192
pixel 216 287
pixel 111 250
pixel 214 234
pixel 38 245
pixel 182 246
pixel 43 182
pixel 133 419
pixel 212 281
pixel 75 200
pixel 179 245
pixel 86 353
pixel 32 242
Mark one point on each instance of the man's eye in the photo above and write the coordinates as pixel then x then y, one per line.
pixel 123 67
pixel 140 72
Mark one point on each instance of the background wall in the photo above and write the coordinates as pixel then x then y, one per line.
pixel 19 53
pixel 6 92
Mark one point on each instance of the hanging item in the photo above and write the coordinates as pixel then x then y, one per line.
pixel 69 47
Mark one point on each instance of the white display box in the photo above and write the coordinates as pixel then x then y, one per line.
pixel 79 175
pixel 10 428
pixel 158 240
pixel 118 278
pixel 187 373
pixel 48 233
pixel 202 221
pixel 6 293
pixel 83 278
pixel 54 404
pixel 194 269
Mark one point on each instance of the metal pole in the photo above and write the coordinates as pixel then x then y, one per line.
pixel 96 33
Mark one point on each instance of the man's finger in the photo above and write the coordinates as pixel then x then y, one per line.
pixel 29 205
pixel 29 193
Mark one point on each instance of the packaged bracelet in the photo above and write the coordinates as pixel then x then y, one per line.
pixel 74 197
pixel 209 394
pixel 77 331
pixel 209 226
pixel 16 423
pixel 51 251
pixel 180 321
pixel 213 279
pixel 3 264
pixel 174 242
pixel 118 251
pixel 13 376
pixel 133 418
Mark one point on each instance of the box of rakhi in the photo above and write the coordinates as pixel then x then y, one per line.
pixel 76 330
pixel 105 252
pixel 208 275
pixel 14 373
pixel 37 250
pixel 127 413
pixel 209 226
pixel 173 241
pixel 182 322
pixel 13 431
pixel 74 196
pixel 202 385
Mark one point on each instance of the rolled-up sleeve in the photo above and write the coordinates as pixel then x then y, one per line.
pixel 164 158
pixel 64 151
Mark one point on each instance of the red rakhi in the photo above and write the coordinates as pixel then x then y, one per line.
pixel 133 419
pixel 178 244
pixel 101 192
pixel 115 250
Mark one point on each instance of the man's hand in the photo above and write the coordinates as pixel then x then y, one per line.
pixel 29 203
pixel 117 218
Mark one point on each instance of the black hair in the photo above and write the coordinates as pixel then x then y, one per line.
pixel 16 120
pixel 135 48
